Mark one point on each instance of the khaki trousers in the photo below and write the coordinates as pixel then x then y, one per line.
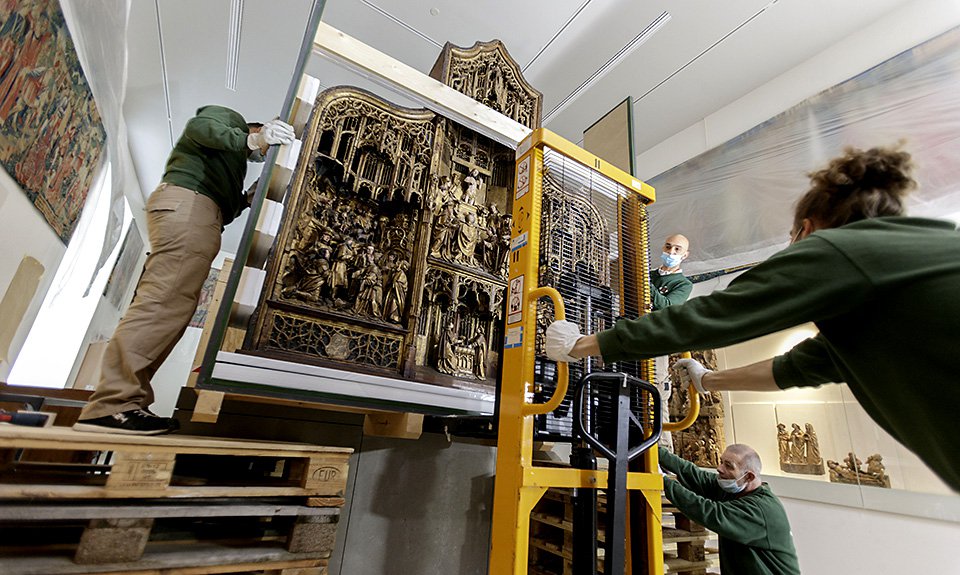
pixel 184 228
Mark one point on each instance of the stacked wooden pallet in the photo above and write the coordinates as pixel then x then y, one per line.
pixel 684 544
pixel 169 504
pixel 551 538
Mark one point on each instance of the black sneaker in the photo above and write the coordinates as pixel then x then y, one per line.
pixel 132 422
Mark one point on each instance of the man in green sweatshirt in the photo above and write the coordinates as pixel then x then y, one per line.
pixel 201 192
pixel 755 537
pixel 668 284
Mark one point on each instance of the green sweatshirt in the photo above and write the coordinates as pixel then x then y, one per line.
pixel 754 532
pixel 884 294
pixel 668 290
pixel 211 158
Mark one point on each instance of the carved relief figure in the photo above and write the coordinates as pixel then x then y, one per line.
pixel 446 350
pixel 370 295
pixel 783 443
pixel 796 444
pixel 811 444
pixel 473 185
pixel 443 229
pixel 339 278
pixel 396 293
pixel 467 237
pixel 479 345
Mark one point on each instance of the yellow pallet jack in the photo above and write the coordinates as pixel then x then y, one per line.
pixel 577 217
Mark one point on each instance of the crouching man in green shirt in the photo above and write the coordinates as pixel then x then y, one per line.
pixel 754 532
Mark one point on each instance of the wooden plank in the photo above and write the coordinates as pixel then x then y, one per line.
pixel 325 502
pixel 48 492
pixel 63 438
pixel 397 76
pixel 60 511
pixel 196 559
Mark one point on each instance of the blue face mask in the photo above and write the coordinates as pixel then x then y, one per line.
pixel 255 156
pixel 671 260
pixel 731 485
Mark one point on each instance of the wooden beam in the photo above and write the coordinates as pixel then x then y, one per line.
pixel 411 83
pixel 207 409
pixel 399 425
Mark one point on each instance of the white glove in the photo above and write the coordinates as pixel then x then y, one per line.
pixel 561 337
pixel 273 132
pixel 691 371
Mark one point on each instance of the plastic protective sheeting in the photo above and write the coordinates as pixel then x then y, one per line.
pixel 735 202
pixel 99 30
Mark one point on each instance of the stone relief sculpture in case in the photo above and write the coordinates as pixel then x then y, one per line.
pixel 852 471
pixel 392 254
pixel 799 449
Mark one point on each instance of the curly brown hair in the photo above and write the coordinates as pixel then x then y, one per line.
pixel 856 186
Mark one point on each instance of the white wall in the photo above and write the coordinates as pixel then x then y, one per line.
pixel 898 31
pixel 24 232
pixel 832 540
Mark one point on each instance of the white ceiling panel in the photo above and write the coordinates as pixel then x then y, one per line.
pixel 709 54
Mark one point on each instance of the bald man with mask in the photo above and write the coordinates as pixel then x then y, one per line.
pixel 668 284
pixel 755 537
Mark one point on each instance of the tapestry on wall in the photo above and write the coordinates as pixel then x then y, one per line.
pixel 51 136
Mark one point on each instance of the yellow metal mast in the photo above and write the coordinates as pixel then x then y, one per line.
pixel 520 484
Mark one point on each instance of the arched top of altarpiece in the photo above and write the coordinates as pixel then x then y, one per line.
pixel 487 73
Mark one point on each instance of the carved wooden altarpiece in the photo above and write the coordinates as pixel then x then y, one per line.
pixel 392 257
pixel 704 441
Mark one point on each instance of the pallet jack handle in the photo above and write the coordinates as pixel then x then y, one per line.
pixel 694 411
pixel 563 377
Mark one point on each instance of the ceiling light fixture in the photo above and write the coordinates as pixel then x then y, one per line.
pixel 644 35
pixel 233 43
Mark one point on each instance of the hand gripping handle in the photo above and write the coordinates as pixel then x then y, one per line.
pixel 562 372
pixel 694 407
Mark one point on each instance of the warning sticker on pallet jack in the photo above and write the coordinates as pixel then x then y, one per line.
pixel 514 337
pixel 523 178
pixel 515 300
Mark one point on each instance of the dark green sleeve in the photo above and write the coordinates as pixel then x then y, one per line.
pixel 676 296
pixel 700 481
pixel 808 364
pixel 734 519
pixel 790 288
pixel 210 131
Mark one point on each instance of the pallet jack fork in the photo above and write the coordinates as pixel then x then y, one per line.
pixel 519 483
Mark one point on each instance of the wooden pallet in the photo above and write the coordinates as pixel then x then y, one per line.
pixel 169 491
pixel 201 559
pixel 551 537
pixel 169 466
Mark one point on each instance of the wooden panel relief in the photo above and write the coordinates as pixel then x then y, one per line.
pixel 392 256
